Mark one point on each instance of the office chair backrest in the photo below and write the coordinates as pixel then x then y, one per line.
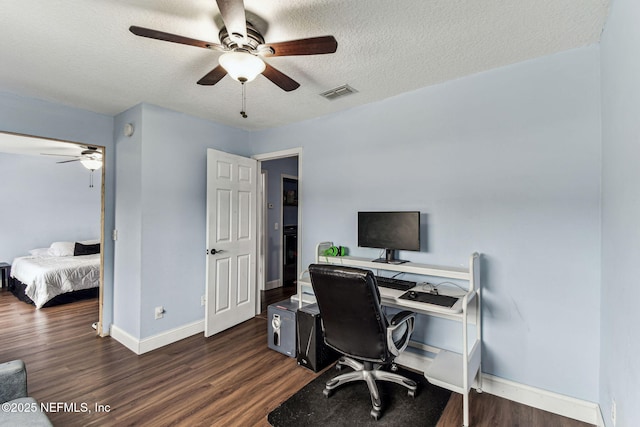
pixel 349 303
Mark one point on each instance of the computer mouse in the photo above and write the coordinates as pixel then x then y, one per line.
pixel 412 295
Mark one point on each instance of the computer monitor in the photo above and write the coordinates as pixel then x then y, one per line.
pixel 390 231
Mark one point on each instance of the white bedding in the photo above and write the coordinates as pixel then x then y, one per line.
pixel 47 277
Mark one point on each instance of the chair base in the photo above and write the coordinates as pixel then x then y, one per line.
pixel 369 373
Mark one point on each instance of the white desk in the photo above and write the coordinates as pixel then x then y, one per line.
pixel 391 297
pixel 458 372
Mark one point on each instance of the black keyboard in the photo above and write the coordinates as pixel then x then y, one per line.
pixel 429 298
pixel 399 284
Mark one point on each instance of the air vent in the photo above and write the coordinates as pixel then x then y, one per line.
pixel 338 92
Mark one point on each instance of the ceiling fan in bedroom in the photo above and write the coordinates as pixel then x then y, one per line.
pixel 90 157
pixel 244 47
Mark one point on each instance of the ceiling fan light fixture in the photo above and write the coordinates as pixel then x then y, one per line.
pixel 242 66
pixel 91 164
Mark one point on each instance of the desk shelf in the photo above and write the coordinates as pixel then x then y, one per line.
pixel 454 371
pixel 407 267
pixel 444 370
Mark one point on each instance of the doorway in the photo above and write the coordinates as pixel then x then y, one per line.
pixel 280 231
pixel 289 212
pixel 35 161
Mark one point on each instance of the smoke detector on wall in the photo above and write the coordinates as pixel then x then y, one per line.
pixel 128 129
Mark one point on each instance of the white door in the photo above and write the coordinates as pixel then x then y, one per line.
pixel 231 240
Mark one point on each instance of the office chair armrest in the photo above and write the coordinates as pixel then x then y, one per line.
pixel 398 344
pixel 403 316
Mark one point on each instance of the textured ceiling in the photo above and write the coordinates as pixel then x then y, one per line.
pixel 80 52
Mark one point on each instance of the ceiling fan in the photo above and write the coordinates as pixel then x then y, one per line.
pixel 90 157
pixel 244 47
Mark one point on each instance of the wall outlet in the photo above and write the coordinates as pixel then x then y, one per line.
pixel 159 312
pixel 614 411
pixel 203 300
pixel 114 235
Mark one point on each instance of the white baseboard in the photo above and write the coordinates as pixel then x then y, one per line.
pixel 273 284
pixel 125 339
pixel 556 403
pixel 156 341
pixel 600 422
pixel 577 409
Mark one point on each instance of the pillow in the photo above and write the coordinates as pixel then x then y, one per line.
pixel 62 248
pixel 80 249
pixel 41 253
pixel 89 242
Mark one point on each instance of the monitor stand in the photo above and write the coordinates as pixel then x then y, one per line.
pixel 390 258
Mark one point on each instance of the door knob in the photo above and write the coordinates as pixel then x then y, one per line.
pixel 215 251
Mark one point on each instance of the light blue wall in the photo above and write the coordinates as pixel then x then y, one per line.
pixel 45 202
pixel 40 118
pixel 505 162
pixel 165 206
pixel 275 168
pixel 620 346
pixel 127 284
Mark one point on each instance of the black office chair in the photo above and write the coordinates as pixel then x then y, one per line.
pixel 354 325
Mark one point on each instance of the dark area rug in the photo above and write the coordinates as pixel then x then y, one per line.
pixel 350 404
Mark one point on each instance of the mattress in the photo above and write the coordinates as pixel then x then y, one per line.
pixel 48 277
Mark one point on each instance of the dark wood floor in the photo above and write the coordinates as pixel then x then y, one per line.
pixel 231 379
pixel 275 295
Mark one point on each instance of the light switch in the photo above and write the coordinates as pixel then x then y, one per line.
pixel 275 226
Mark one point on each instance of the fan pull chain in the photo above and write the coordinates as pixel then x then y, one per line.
pixel 244 101
pixel 91 179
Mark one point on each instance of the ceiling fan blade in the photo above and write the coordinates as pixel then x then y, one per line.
pixel 233 15
pixel 67 161
pixel 61 155
pixel 310 46
pixel 167 37
pixel 280 79
pixel 213 77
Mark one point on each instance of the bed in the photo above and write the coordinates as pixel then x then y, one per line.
pixel 57 274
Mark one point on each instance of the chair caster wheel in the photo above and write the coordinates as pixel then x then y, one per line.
pixel 375 414
pixel 338 366
pixel 327 393
pixel 412 393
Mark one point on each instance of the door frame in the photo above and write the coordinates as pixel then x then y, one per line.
pixel 275 155
pixel 262 224
pixel 103 148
